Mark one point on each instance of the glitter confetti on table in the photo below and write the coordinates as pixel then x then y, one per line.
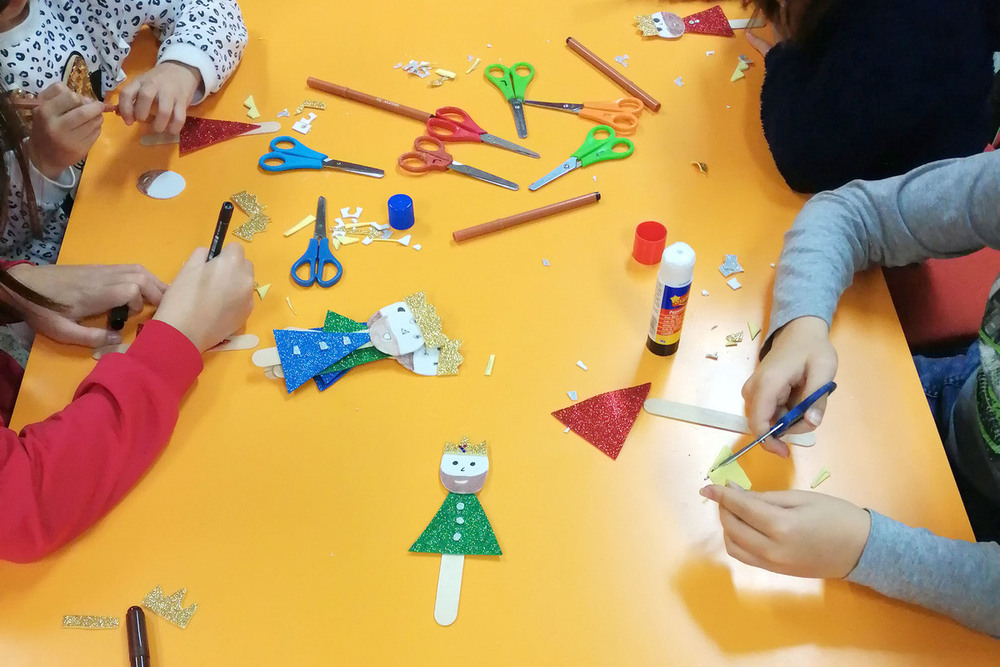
pixel 90 622
pixel 711 21
pixel 201 132
pixel 606 419
pixel 734 338
pixel 730 266
pixel 170 607
pixel 310 104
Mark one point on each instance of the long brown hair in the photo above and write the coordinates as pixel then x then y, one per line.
pixel 799 19
pixel 12 138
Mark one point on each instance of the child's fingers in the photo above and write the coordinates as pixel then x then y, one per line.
pixel 63 330
pixel 144 102
pixel 180 115
pixel 82 117
pixel 126 102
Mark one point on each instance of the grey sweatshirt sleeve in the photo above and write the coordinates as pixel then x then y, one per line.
pixel 943 209
pixel 953 577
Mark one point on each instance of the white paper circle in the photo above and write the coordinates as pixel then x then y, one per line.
pixel 160 184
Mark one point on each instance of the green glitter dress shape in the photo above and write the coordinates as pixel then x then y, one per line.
pixel 339 323
pixel 459 527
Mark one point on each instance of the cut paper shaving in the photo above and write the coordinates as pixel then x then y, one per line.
pixel 734 283
pixel 347 213
pixel 251 107
pixel 257 223
pixel 90 622
pixel 572 395
pixel 709 53
pixel 304 125
pixel 754 330
pixel 622 60
pixel 489 365
pixel 417 246
pixel 546 262
pixel 702 167
pixel 730 266
pixel 731 472
pixel 262 290
pixel 704 292
pixel 283 114
pixel 745 59
pixel 170 607
pixel 288 300
pixel 821 476
pixel 582 365
pixel 734 338
pixel 444 73
pixel 475 64
pixel 310 104
pixel 679 81
pixel 301 224
pixel 712 355
pixel 420 68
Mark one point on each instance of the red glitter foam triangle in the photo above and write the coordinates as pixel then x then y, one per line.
pixel 712 21
pixel 606 419
pixel 200 132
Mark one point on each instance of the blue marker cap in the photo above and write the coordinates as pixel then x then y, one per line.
pixel 400 212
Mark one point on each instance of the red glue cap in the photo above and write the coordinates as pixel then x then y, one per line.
pixel 650 240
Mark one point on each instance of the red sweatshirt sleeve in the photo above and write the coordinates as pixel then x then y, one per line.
pixel 59 476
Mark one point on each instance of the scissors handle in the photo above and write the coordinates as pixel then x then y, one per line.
pixel 444 129
pixel 317 257
pixel 307 260
pixel 596 149
pixel 501 81
pixel 459 117
pixel 423 159
pixel 519 80
pixel 631 105
pixel 288 153
pixel 623 123
pixel 796 414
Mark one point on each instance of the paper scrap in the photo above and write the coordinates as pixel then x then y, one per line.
pixel 566 430
pixel 582 365
pixel 704 292
pixel 170 607
pixel 416 246
pixel 572 395
pixel 301 224
pixel 545 262
pixel 622 60
pixel 702 167
pixel 262 290
pixel 728 473
pixel 754 330
pixel 734 338
pixel 489 365
pixel 709 53
pixel 605 420
pixel 821 476
pixel 283 113
pixel 679 81
pixel 90 622
pixel 367 240
pixel 448 74
pixel 730 266
pixel 772 265
pixel 288 300
pixel 712 355
pixel 251 107
pixel 346 212
pixel 474 65
pixel 734 283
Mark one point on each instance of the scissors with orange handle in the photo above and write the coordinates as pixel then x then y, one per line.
pixel 622 115
pixel 428 154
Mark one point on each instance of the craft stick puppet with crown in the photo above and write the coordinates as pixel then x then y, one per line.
pixel 408 331
pixel 711 21
pixel 460 527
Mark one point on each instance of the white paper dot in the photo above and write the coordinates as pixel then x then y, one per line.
pixel 460 520
pixel 460 506
pixel 456 536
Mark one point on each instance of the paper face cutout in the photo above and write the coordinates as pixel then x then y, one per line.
pixel 160 184
pixel 424 361
pixel 464 473
pixel 606 419
pixel 394 330
pixel 728 473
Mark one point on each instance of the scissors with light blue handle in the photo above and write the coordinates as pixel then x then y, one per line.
pixel 512 83
pixel 593 150
pixel 318 256
pixel 289 153
pixel 787 420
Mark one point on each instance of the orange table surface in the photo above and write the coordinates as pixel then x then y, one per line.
pixel 288 518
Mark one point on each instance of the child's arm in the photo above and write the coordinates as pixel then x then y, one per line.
pixel 808 534
pixel 60 475
pixel 943 209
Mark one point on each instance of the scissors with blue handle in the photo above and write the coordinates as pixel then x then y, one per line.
pixel 788 420
pixel 512 83
pixel 289 153
pixel 594 149
pixel 318 255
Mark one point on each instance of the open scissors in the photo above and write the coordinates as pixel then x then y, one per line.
pixel 593 150
pixel 454 124
pixel 318 255
pixel 424 158
pixel 512 84
pixel 623 114
pixel 289 153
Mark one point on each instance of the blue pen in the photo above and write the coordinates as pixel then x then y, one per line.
pixel 789 419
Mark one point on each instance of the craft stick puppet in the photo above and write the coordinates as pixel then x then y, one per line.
pixel 460 527
pixel 711 21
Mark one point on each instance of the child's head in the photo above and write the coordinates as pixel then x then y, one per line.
pixel 798 20
pixel 10 12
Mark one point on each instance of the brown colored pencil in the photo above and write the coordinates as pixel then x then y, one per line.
pixel 651 103
pixel 527 216
pixel 370 100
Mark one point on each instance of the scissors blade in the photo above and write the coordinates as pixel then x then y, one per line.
pixel 566 167
pixel 507 145
pixel 558 106
pixel 353 168
pixel 522 127
pixel 482 175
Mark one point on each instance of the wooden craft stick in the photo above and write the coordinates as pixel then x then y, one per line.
pixel 31 103
pixel 722 420
pixel 527 216
pixel 370 100
pixel 651 103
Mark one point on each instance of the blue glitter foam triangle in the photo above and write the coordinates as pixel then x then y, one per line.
pixel 304 354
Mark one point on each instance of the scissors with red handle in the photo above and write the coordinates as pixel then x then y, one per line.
pixel 622 115
pixel 428 154
pixel 454 124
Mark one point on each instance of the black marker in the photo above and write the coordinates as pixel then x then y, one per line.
pixel 221 227
pixel 138 640
pixel 117 317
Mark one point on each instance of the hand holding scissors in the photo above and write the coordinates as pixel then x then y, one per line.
pixel 289 153
pixel 428 154
pixel 454 124
pixel 512 84
pixel 622 115
pixel 593 150
pixel 318 255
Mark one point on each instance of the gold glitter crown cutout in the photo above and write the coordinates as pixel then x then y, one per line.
pixel 170 607
pixel 466 447
pixel 427 320
pixel 449 357
pixel 644 22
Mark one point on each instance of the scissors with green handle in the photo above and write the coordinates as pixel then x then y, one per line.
pixel 594 149
pixel 512 83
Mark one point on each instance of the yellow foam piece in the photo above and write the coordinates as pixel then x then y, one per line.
pixel 348 240
pixel 251 107
pixel 754 330
pixel 262 291
pixel 728 473
pixel 737 75
pixel 742 66
pixel 301 224
pixel 821 476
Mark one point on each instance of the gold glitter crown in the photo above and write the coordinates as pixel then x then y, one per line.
pixel 427 320
pixel 466 447
pixel 449 357
pixel 170 607
pixel 645 23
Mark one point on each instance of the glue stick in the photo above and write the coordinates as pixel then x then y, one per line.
pixel 673 284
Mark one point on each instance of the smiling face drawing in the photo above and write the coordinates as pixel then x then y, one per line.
pixel 394 330
pixel 668 25
pixel 464 473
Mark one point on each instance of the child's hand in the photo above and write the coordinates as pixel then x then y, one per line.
pixel 85 291
pixel 171 86
pixel 208 301
pixel 801 533
pixel 63 128
pixel 759 43
pixel 801 361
